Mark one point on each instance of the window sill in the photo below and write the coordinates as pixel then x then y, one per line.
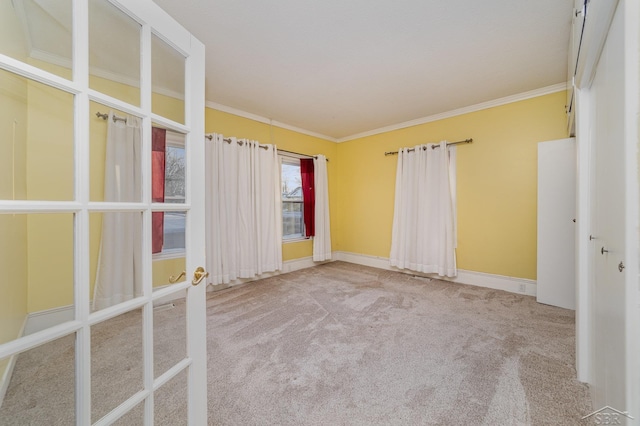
pixel 169 254
pixel 295 240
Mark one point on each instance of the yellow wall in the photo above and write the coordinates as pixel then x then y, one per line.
pixel 496 177
pixel 43 169
pixel 163 269
pixel 50 166
pixel 233 125
pixel 13 228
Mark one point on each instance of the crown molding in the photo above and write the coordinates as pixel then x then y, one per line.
pixel 60 61
pixel 460 111
pixel 261 119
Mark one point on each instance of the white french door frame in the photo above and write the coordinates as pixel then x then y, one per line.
pixel 153 21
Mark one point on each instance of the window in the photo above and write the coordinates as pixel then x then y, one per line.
pixel 292 200
pixel 174 223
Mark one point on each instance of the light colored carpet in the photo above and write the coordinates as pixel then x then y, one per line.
pixel 342 344
pixel 346 344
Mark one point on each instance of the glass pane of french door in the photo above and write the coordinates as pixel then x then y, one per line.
pixel 168 175
pixel 38 33
pixel 35 374
pixel 115 155
pixel 114 52
pixel 117 360
pixel 36 140
pixel 168 79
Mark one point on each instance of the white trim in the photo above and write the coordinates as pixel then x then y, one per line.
pixel 8 372
pixel 479 279
pixel 287 266
pixel 461 111
pixel 39 75
pixel 169 124
pixel 303 131
pixel 123 408
pixel 37 339
pixel 175 139
pixel 554 88
pixel 523 286
pixel 296 239
pixel 41 320
pixel 41 55
pixel 583 243
pixel 169 254
pixel 594 34
pixel 50 58
pixel 517 285
pixel 169 292
pixel 261 119
pixel 195 239
pixel 631 12
pixel 297 264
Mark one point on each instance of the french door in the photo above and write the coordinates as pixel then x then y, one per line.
pixel 102 304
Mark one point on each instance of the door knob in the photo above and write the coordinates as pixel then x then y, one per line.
pixel 603 251
pixel 174 280
pixel 199 275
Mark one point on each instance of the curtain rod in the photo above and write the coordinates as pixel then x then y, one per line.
pixel 229 140
pixel 115 117
pixel 297 153
pixel 433 146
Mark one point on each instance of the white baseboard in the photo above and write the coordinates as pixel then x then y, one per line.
pixel 480 279
pixel 497 282
pixel 38 321
pixel 297 264
pixel 287 266
pixel 8 371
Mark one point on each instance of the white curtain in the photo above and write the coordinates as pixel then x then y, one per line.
pixel 118 276
pixel 322 238
pixel 243 209
pixel 424 232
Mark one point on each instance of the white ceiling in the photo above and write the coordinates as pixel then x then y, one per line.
pixel 341 67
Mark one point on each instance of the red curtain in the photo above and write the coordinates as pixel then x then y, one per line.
pixel 159 137
pixel 308 194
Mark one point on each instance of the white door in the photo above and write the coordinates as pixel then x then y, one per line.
pixel 614 224
pixel 556 223
pixel 87 193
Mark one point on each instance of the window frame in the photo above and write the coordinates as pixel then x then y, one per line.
pixel 292 159
pixel 173 140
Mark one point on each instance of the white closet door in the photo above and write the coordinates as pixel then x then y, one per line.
pixel 556 226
